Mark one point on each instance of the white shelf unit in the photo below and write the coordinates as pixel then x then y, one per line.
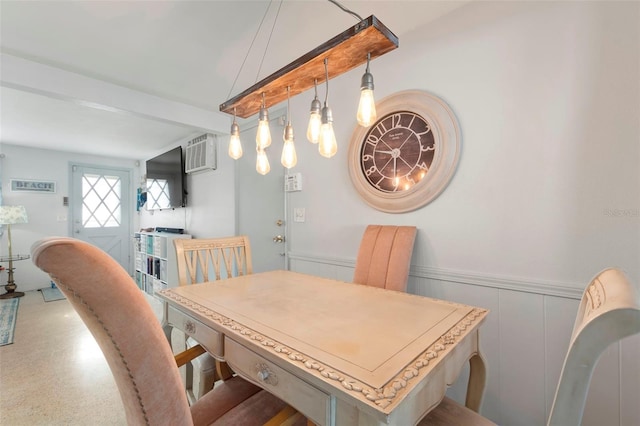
pixel 155 260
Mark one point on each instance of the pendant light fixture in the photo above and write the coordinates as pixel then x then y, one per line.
pixel 263 137
pixel 289 157
pixel 366 40
pixel 367 106
pixel 313 130
pixel 235 146
pixel 327 145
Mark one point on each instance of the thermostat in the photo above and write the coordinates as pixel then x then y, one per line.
pixel 293 182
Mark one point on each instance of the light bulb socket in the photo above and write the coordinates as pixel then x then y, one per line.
pixel 327 115
pixel 367 81
pixel 316 105
pixel 235 129
pixel 264 114
pixel 288 132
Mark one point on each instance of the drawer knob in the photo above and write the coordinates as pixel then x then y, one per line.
pixel 190 327
pixel 265 374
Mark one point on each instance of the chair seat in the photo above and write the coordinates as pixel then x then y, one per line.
pixel 450 413
pixel 236 402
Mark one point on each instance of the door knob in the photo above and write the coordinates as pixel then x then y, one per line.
pixel 278 239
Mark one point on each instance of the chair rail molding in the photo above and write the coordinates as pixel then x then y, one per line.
pixel 536 286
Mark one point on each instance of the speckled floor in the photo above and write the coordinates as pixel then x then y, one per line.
pixel 54 373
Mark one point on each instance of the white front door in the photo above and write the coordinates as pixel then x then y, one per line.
pixel 101 209
pixel 260 202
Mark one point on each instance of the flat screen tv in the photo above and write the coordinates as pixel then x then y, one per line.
pixel 166 181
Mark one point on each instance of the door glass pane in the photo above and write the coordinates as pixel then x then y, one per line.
pixel 101 201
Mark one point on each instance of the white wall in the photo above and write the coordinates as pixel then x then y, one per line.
pixel 547 191
pixel 211 210
pixel 547 96
pixel 45 210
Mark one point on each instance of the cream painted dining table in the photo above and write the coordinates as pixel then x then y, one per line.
pixel 340 353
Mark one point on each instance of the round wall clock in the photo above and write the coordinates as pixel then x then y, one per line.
pixel 407 157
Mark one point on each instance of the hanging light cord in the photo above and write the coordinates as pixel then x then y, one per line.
pixel 347 10
pixel 255 36
pixel 269 39
pixel 288 107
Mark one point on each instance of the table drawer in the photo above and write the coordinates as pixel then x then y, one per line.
pixel 310 401
pixel 210 339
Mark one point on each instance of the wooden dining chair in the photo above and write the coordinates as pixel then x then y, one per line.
pixel 144 368
pixel 201 260
pixel 608 312
pixel 384 256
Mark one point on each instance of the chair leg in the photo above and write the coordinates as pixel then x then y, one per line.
pixel 287 416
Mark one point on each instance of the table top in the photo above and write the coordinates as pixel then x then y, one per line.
pixel 368 334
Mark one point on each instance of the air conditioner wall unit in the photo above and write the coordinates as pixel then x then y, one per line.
pixel 201 153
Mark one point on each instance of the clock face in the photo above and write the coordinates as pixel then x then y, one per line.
pixel 407 157
pixel 397 152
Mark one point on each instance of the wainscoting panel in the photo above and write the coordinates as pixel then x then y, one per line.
pixel 630 381
pixel 524 340
pixel 521 358
pixel 559 317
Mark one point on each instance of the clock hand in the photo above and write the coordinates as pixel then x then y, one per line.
pixel 385 152
pixel 405 141
pixel 395 171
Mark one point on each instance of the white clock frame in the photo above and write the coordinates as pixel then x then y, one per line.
pixel 446 134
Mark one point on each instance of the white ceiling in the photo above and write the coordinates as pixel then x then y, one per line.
pixel 130 78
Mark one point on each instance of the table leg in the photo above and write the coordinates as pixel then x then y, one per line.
pixel 477 381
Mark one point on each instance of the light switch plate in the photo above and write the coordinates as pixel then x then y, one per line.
pixel 298 214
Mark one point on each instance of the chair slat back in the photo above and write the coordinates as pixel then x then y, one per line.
pixel 609 311
pixel 384 256
pixel 211 259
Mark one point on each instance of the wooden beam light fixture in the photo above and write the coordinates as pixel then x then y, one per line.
pixel 366 40
pixel 345 52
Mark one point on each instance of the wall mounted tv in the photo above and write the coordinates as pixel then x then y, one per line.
pixel 166 181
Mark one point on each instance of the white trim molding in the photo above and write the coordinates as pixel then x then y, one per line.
pixel 536 286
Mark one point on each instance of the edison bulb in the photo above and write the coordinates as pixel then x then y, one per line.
pixel 235 146
pixel 263 137
pixel 313 130
pixel 289 157
pixel 366 108
pixel 327 145
pixel 262 162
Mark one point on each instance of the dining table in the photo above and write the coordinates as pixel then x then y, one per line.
pixel 340 353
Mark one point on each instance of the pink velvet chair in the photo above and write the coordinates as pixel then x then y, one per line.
pixel 136 349
pixel 384 256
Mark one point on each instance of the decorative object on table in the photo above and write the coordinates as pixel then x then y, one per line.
pixel 408 155
pixel 10 215
pixel 366 40
pixel 8 315
pixel 52 294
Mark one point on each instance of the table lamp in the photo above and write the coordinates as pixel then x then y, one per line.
pixel 10 215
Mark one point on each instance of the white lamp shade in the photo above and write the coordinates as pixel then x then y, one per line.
pixel 13 214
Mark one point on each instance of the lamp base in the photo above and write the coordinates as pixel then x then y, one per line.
pixel 11 295
pixel 11 292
